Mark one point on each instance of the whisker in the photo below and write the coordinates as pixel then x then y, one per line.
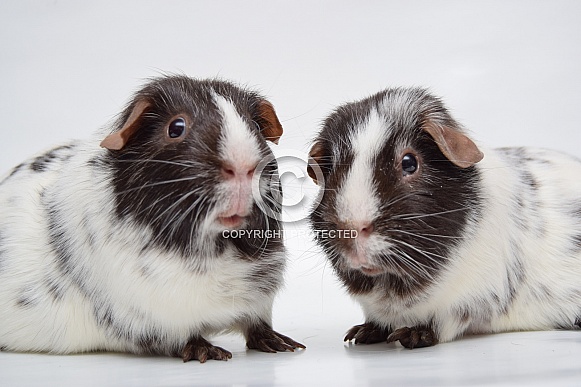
pixel 430 256
pixel 420 216
pixel 421 236
pixel 186 163
pixel 158 183
pixel 415 266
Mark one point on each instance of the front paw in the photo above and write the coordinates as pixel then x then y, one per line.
pixel 416 337
pixel 200 349
pixel 367 333
pixel 264 339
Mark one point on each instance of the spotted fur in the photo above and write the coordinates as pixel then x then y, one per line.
pixel 120 250
pixel 490 247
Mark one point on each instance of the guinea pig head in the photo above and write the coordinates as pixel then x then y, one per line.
pixel 184 153
pixel 399 188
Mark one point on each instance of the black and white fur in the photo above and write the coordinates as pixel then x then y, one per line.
pixel 470 240
pixel 120 247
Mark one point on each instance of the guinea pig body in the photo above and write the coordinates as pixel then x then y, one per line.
pixel 448 241
pixel 122 248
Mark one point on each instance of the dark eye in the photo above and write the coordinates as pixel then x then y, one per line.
pixel 409 164
pixel 176 128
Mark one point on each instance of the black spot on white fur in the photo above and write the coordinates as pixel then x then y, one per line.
pixel 55 287
pixel 515 276
pixel 151 342
pixel 526 199
pixel 15 170
pixel 41 163
pixel 63 252
pixel 28 297
pixel 59 241
pixel 262 276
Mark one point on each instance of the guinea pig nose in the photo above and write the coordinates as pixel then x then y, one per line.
pixel 364 229
pixel 237 172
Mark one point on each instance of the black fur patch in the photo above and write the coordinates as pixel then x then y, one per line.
pixel 521 155
pixel 424 217
pixel 104 317
pixel 525 214
pixel 355 281
pixel 578 322
pixel 41 163
pixel 265 277
pixel 150 343
pixel 576 241
pixel 24 302
pixel 575 209
pixel 55 288
pixel 17 169
pixel 515 276
pixel 59 241
pixel 464 315
pixel 27 298
pixel 543 293
pixel 64 256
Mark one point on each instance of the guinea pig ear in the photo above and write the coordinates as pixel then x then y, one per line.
pixel 455 145
pixel 117 140
pixel 268 121
pixel 316 155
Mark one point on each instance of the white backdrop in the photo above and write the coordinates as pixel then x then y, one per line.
pixel 508 70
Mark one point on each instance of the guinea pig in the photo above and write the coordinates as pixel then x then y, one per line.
pixel 120 244
pixel 435 236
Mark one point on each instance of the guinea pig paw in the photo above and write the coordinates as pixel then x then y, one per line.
pixel 416 337
pixel 367 333
pixel 201 350
pixel 267 340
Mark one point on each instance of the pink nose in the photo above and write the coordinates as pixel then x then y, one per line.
pixel 237 172
pixel 364 229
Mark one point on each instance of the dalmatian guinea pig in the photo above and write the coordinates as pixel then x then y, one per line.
pixel 118 245
pixel 448 237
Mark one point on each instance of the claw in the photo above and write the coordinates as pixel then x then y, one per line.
pixel 264 339
pixel 416 337
pixel 367 333
pixel 201 350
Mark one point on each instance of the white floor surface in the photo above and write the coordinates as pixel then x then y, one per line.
pixel 524 359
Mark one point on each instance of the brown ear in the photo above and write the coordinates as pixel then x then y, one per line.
pixel 119 139
pixel 456 146
pixel 271 127
pixel 316 155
